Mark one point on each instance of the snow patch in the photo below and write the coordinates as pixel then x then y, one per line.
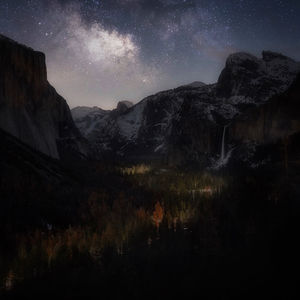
pixel 130 123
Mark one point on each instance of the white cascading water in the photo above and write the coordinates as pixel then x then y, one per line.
pixel 224 157
pixel 223 144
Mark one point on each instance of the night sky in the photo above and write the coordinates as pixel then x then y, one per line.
pixel 100 52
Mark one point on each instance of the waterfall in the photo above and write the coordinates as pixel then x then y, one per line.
pixel 224 157
pixel 223 144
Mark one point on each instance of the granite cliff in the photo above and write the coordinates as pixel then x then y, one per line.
pixel 30 108
pixel 196 123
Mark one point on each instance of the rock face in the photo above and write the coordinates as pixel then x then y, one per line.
pixel 274 120
pixel 255 79
pixel 275 123
pixel 123 106
pixel 30 108
pixel 187 123
pixel 88 118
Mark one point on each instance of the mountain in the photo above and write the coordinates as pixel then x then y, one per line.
pixel 87 118
pixel 194 84
pixel 187 123
pixel 30 108
pixel 246 86
pixel 123 106
pixel 94 122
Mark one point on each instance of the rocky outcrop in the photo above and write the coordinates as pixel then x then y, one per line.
pixel 264 121
pixel 123 106
pixel 256 79
pixel 30 108
pixel 277 119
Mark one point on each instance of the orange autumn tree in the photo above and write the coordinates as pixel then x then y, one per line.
pixel 158 214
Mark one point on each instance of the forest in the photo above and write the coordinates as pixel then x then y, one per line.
pixel 149 230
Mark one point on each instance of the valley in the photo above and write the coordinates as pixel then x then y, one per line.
pixel 158 227
pixel 190 191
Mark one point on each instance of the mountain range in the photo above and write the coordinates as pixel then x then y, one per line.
pixel 254 102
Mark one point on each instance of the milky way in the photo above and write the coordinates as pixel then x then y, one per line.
pixel 100 52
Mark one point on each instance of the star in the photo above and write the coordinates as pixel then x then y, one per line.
pixel 131 48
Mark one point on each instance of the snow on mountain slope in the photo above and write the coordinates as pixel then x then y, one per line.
pixel 87 118
pixel 81 112
pixel 130 123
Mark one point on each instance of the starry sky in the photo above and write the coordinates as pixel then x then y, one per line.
pixel 102 51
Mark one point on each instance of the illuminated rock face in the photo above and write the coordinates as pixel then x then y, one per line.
pixel 30 108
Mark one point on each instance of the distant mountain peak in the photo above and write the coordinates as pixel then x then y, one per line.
pixel 196 84
pixel 124 105
pixel 190 114
pixel 80 112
